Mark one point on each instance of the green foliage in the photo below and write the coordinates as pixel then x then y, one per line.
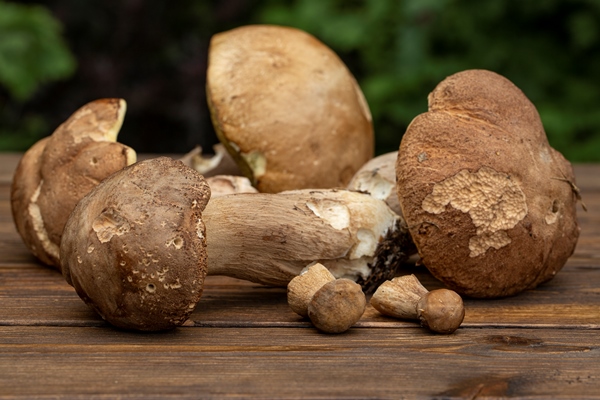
pixel 399 51
pixel 32 51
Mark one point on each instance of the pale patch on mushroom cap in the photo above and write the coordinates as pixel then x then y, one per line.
pixel 287 108
pixel 489 203
pixel 134 248
pixel 59 170
pixel 492 200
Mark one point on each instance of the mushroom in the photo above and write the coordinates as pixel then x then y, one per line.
pixel 57 171
pixel 490 205
pixel 404 297
pixel 221 185
pixel 134 248
pixel 287 108
pixel 270 238
pixel 218 163
pixel 378 178
pixel 333 305
pixel 336 306
pixel 302 288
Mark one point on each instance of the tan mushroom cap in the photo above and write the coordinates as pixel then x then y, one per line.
pixel 287 108
pixel 490 205
pixel 134 248
pixel 55 173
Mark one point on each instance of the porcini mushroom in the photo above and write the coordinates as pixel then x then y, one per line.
pixel 333 305
pixel 378 178
pixel 134 248
pixel 302 288
pixel 404 297
pixel 336 306
pixel 490 205
pixel 57 171
pixel 287 108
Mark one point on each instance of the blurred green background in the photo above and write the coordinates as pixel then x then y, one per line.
pixel 57 55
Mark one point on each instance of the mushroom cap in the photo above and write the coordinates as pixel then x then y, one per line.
pixel 441 310
pixel 287 108
pixel 57 171
pixel 134 248
pixel 337 305
pixel 490 205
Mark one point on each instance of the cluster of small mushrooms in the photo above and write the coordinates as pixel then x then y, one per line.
pixel 293 196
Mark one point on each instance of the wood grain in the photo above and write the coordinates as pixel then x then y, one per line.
pixel 244 342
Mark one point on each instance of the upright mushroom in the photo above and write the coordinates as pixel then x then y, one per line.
pixel 287 108
pixel 56 172
pixel 490 205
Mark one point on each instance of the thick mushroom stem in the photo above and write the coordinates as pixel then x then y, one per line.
pixel 270 238
pixel 404 297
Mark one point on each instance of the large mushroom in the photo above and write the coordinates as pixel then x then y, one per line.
pixel 57 171
pixel 287 108
pixel 490 205
pixel 136 248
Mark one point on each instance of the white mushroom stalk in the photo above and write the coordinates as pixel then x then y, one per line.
pixel 270 238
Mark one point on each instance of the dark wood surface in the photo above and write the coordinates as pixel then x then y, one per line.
pixel 244 342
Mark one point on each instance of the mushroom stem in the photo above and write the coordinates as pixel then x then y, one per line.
pixel 404 297
pixel 271 238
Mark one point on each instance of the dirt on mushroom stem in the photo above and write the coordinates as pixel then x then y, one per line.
pixel 354 235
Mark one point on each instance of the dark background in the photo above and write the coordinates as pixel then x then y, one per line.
pixel 57 55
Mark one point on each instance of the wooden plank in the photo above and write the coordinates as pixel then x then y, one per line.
pixel 293 363
pixel 35 295
pixel 38 295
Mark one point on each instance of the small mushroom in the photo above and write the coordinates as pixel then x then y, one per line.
pixel 378 178
pixel 287 108
pixel 134 248
pixel 57 171
pixel 404 297
pixel 490 205
pixel 336 306
pixel 303 287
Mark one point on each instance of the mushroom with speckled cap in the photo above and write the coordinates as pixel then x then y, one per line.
pixel 134 248
pixel 490 205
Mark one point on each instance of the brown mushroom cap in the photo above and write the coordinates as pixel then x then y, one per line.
pixel 287 108
pixel 337 305
pixel 56 172
pixel 441 310
pixel 490 205
pixel 134 248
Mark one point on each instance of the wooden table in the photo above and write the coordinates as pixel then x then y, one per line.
pixel 243 341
